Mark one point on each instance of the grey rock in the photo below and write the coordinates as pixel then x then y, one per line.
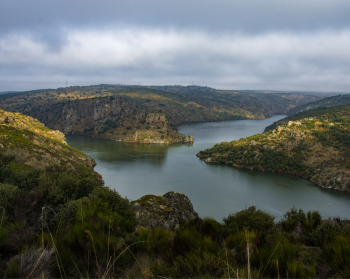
pixel 168 211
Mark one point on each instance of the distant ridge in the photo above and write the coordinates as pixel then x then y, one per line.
pixel 330 102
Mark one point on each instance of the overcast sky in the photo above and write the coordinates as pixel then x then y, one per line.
pixel 254 44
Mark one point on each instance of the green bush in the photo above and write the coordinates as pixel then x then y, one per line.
pixel 337 255
pixel 7 194
pixel 24 178
pixel 65 187
pixel 297 218
pixel 111 124
pixel 118 204
pixel 251 219
pixel 155 242
pixel 327 231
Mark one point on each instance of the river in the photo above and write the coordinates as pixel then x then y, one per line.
pixel 135 170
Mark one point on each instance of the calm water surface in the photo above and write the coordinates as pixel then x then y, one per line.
pixel 135 170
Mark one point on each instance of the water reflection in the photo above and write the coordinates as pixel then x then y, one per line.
pixel 112 151
pixel 135 170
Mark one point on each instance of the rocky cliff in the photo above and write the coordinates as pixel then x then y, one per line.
pixel 113 117
pixel 36 146
pixel 314 145
pixel 168 211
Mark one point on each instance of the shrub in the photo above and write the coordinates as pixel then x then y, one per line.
pixel 67 186
pixel 111 124
pixel 7 194
pixel 250 218
pixel 327 231
pixel 32 262
pixel 338 255
pixel 118 204
pixel 297 218
pixel 157 241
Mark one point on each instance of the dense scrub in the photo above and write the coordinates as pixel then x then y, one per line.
pixel 313 144
pixel 55 224
pixel 53 211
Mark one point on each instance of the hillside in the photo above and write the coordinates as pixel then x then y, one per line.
pixel 329 102
pixel 34 146
pixel 314 145
pixel 180 104
pixel 57 221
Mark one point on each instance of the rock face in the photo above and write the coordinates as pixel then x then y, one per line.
pixel 114 118
pixel 168 211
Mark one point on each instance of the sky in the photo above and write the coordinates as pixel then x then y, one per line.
pixel 255 44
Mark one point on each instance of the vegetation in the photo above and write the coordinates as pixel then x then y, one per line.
pixel 91 233
pixel 56 220
pixel 334 101
pixel 313 144
pixel 180 104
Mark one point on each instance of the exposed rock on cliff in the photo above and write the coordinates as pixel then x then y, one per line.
pixel 113 118
pixel 168 211
pixel 36 146
pixel 314 145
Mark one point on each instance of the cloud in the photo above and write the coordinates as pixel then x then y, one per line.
pixel 228 60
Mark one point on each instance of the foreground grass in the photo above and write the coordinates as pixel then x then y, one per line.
pixel 56 224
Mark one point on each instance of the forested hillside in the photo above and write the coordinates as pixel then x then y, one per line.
pixel 329 102
pixel 313 144
pixel 180 104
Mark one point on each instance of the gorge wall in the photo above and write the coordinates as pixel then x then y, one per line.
pixel 114 118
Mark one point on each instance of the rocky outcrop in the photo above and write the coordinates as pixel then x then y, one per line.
pixel 38 147
pixel 168 211
pixel 316 148
pixel 114 118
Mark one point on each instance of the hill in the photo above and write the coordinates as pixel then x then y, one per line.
pixel 314 145
pixel 57 221
pixel 34 146
pixel 180 104
pixel 329 102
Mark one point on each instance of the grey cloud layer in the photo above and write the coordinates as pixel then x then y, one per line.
pixel 287 45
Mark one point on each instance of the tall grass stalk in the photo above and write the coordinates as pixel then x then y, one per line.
pixel 58 258
pixel 127 248
pixel 248 256
pixel 81 276
pixel 109 235
pixel 2 216
pixel 93 246
pixel 271 255
pixel 42 226
pixel 133 256
pixel 36 263
pixel 228 269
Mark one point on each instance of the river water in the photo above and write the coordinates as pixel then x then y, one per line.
pixel 135 170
